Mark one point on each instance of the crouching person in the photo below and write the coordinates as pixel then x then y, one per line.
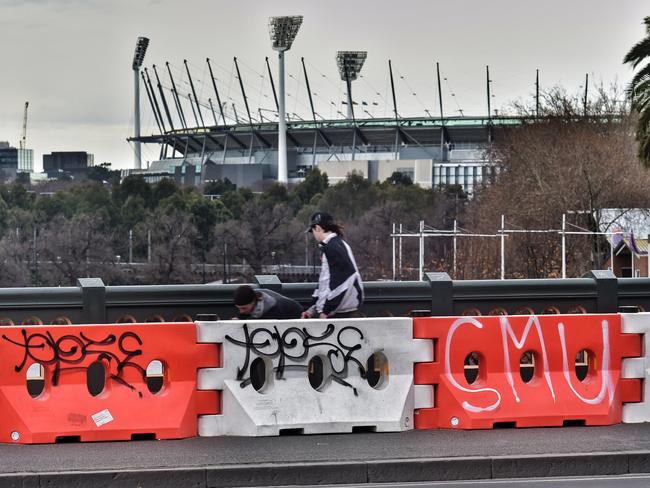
pixel 264 304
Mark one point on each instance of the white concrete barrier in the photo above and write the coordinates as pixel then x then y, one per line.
pixel 637 323
pixel 314 376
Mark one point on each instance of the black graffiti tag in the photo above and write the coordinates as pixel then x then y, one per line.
pixel 293 346
pixel 68 352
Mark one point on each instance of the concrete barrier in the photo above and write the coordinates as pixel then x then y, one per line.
pixel 314 376
pixel 637 367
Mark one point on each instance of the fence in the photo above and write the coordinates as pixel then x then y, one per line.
pixel 93 302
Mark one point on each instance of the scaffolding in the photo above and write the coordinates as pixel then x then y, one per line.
pixel 502 234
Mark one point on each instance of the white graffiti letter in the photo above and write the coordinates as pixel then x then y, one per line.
pixel 506 329
pixel 466 405
pixel 606 381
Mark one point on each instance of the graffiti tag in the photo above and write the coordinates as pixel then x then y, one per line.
pixel 292 347
pixel 69 352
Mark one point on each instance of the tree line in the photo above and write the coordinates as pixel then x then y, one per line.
pixel 133 232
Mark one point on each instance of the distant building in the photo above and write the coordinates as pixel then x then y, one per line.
pixel 194 172
pixel 72 163
pixel 14 160
pixel 628 233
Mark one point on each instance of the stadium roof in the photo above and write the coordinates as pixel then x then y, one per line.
pixel 330 133
pixel 378 133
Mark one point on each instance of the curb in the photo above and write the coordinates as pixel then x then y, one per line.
pixel 346 473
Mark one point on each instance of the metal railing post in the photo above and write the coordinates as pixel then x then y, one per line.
pixel 442 294
pixel 93 293
pixel 270 282
pixel 606 289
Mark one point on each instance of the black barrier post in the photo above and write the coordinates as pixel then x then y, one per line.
pixel 606 289
pixel 442 294
pixel 270 282
pixel 93 293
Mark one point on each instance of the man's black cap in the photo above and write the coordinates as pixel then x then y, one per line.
pixel 244 295
pixel 319 218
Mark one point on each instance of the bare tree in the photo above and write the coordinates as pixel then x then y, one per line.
pixel 559 164
pixel 171 242
pixel 265 234
pixel 71 248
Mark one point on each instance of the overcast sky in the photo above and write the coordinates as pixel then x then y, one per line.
pixel 71 59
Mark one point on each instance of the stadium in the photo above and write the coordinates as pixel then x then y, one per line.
pixel 203 138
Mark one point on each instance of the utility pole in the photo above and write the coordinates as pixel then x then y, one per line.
pixel 503 247
pixel 487 72
pixel 537 94
pixel 586 94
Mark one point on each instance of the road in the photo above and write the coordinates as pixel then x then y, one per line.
pixel 350 459
pixel 626 481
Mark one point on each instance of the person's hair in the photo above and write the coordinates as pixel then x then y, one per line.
pixel 244 295
pixel 333 227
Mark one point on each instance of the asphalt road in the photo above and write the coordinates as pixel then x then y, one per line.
pixel 627 481
pixel 350 459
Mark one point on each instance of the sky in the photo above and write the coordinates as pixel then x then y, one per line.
pixel 71 59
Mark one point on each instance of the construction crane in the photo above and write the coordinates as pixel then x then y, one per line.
pixel 23 139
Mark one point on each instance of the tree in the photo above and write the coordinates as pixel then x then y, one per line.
pixel 205 215
pixel 171 260
pixel 264 233
pixel 218 187
pixel 75 247
pixel 132 213
pixel 350 198
pixel 314 183
pixel 276 193
pixel 235 200
pixel 14 254
pixel 640 90
pixel 163 189
pixel 132 185
pixel 550 167
pixel 103 174
pixel 399 178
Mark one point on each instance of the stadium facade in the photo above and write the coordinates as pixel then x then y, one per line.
pixel 432 151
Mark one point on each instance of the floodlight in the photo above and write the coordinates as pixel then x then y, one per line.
pixel 138 57
pixel 140 50
pixel 350 63
pixel 283 31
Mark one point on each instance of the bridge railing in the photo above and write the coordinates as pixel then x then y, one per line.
pixel 93 302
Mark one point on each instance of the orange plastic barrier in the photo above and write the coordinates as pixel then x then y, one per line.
pixel 491 351
pixel 95 385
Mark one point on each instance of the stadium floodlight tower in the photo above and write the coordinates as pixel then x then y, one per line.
pixel 283 31
pixel 138 57
pixel 350 64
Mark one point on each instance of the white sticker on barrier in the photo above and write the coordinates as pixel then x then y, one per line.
pixel 313 376
pixel 637 323
pixel 103 417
